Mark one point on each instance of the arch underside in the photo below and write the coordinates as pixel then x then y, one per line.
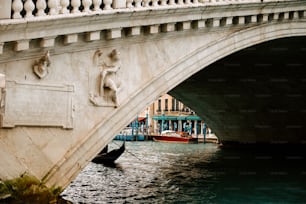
pixel 256 95
pixel 172 78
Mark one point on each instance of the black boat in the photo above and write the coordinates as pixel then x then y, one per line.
pixel 105 157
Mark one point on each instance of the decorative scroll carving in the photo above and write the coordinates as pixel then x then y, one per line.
pixel 109 83
pixel 41 67
pixel 29 104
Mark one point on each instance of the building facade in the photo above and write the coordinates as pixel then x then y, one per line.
pixel 167 113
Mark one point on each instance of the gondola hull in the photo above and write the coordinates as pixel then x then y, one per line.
pixel 109 157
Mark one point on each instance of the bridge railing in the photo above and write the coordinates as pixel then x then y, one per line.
pixel 17 9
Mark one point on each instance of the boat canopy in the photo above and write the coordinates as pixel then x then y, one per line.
pixel 171 117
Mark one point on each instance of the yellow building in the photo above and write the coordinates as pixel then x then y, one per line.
pixel 167 113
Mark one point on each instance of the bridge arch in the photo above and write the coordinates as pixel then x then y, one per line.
pixel 164 82
pixel 275 93
pixel 208 54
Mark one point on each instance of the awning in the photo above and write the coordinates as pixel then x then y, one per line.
pixel 141 119
pixel 171 117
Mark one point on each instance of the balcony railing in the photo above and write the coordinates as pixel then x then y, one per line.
pixel 17 9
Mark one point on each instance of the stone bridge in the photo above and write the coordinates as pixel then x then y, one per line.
pixel 74 73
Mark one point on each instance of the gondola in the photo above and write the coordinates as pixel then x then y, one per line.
pixel 105 157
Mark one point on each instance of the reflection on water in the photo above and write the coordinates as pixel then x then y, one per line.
pixel 151 172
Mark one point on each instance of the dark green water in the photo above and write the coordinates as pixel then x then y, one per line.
pixel 151 172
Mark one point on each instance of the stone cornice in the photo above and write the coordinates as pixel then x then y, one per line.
pixel 111 21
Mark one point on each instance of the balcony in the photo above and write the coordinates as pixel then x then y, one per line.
pixel 28 9
pixel 25 22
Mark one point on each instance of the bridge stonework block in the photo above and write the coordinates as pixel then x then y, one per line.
pixel 295 15
pixel 114 33
pixel 276 16
pixel 265 18
pixel 22 45
pixel 23 111
pixel 216 22
pixel 134 31
pixel 47 42
pixel 286 15
pixel 229 21
pixel 241 20
pixel 91 36
pixel 253 19
pixel 71 38
pixel 153 29
pixel 117 4
pixel 186 25
pixel 169 27
pixel 200 24
pixel 5 9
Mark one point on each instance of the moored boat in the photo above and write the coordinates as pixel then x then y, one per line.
pixel 209 138
pixel 174 137
pixel 130 137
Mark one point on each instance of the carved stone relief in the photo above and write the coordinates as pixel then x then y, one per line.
pixel 41 67
pixel 108 81
pixel 2 93
pixel 32 104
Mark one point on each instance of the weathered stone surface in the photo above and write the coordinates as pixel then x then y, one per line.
pixel 5 10
pixel 2 81
pixel 29 104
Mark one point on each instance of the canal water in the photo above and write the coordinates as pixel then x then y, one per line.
pixel 152 172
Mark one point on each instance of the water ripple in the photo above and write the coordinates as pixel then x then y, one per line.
pixel 150 172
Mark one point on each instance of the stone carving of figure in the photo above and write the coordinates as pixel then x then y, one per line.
pixel 41 67
pixel 2 89
pixel 108 79
pixel 108 75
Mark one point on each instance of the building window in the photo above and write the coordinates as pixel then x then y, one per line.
pixel 159 105
pixel 166 104
pixel 173 104
pixel 177 105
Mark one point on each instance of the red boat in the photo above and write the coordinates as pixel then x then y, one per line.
pixel 174 137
